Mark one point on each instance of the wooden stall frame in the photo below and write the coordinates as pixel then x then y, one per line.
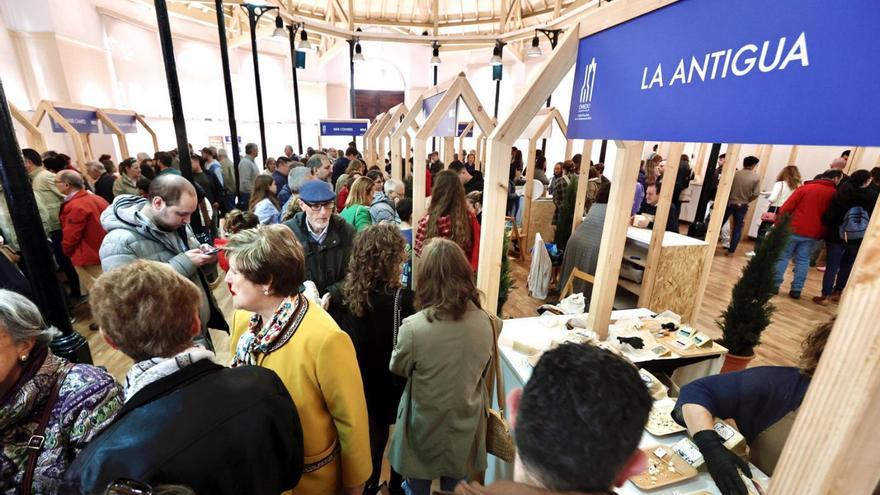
pixel 81 145
pixel 371 141
pixel 104 115
pixel 383 133
pixel 462 153
pixel 409 122
pixel 664 206
pixel 581 193
pixel 764 151
pixel 839 412
pixel 460 88
pixel 35 137
pixel 547 116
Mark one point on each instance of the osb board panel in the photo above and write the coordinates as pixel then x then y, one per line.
pixel 541 221
pixel 678 279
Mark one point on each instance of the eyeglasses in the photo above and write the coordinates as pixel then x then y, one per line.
pixel 320 206
pixel 124 486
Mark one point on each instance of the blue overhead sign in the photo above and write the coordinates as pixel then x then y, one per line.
pixel 126 123
pixel 750 71
pixel 343 128
pixel 462 126
pixel 84 121
pixel 447 125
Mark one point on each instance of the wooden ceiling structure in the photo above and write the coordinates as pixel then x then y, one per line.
pixel 455 24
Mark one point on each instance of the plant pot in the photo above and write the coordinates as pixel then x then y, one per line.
pixel 732 362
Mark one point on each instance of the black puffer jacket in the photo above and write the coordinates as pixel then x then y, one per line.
pixel 327 263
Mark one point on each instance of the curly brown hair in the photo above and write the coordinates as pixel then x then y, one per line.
pixel 813 346
pixel 375 264
pixel 448 200
pixel 444 281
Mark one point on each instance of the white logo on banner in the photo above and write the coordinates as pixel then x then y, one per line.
pixel 589 81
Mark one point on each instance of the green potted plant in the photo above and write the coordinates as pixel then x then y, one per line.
pixel 750 309
pixel 565 214
pixel 506 281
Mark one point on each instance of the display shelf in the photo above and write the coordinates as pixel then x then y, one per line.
pixel 630 286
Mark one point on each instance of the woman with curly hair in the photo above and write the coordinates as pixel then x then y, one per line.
pixel 449 217
pixel 357 205
pixel 373 304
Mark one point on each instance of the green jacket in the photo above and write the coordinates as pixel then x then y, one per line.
pixel 46 194
pixel 358 216
pixel 441 420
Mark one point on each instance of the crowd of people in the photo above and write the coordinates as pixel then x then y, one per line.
pixel 331 346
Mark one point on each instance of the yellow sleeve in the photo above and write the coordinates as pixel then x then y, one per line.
pixel 240 320
pixel 340 382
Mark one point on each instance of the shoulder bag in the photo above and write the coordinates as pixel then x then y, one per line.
pixel 499 441
pixel 35 443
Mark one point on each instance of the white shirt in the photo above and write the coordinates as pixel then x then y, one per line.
pixel 779 194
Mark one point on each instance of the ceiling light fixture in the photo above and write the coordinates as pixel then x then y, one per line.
pixel 358 52
pixel 535 50
pixel 304 44
pixel 496 56
pixel 435 54
pixel 279 28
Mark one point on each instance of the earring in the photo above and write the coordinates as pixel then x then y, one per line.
pixel 23 357
pixel 265 292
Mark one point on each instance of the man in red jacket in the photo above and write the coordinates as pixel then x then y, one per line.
pixel 81 230
pixel 806 205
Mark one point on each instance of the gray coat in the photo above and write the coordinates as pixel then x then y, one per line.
pixel 582 250
pixel 383 210
pixel 131 236
pixel 247 173
pixel 441 420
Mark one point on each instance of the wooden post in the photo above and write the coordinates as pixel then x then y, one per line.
pixel 792 156
pixel 855 159
pixel 714 228
pixel 400 134
pixel 448 150
pixel 664 205
pixel 120 136
pixel 34 136
pixel 47 107
pixel 581 194
pixel 701 161
pixel 833 446
pixel 764 151
pixel 151 132
pixel 623 187
pixel 406 170
pixel 551 116
pixel 462 153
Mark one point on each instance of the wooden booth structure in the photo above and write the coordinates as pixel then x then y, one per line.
pixel 538 213
pixel 35 137
pixel 384 134
pixel 371 140
pixel 112 119
pixel 466 131
pixel 459 88
pixel 839 412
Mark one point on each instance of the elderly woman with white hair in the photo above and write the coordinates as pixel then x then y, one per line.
pixel 49 408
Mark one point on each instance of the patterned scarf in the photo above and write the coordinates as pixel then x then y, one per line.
pixel 264 339
pixel 151 370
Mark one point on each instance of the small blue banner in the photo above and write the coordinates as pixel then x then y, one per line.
pixel 126 123
pixel 750 71
pixel 447 125
pixel 84 121
pixel 343 128
pixel 462 126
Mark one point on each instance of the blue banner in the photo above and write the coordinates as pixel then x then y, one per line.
pixel 749 71
pixel 343 128
pixel 461 127
pixel 126 123
pixel 447 125
pixel 84 121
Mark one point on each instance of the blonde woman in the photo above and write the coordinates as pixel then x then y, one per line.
pixel 787 181
pixel 278 328
pixel 357 205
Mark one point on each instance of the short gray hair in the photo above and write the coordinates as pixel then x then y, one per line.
pixel 90 166
pixel 72 178
pixel 392 185
pixel 316 161
pixel 250 148
pixel 22 320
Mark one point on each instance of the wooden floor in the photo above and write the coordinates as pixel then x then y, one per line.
pixel 780 343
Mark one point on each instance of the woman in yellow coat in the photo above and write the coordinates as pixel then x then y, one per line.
pixel 282 330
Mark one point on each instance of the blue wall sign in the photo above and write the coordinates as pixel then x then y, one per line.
pixel 126 123
pixel 462 125
pixel 84 121
pixel 447 125
pixel 343 128
pixel 748 71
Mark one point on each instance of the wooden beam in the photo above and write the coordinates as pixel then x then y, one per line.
pixel 764 152
pixel 661 216
pixel 448 150
pixel 120 136
pixel 839 412
pixel 714 228
pixel 435 13
pixel 701 161
pixel 792 156
pixel 461 150
pixel 580 199
pixel 557 8
pixel 552 116
pixel 626 174
pixel 47 107
pixel 497 166
pixel 855 159
pixel 401 133
pixel 35 138
pixel 150 131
